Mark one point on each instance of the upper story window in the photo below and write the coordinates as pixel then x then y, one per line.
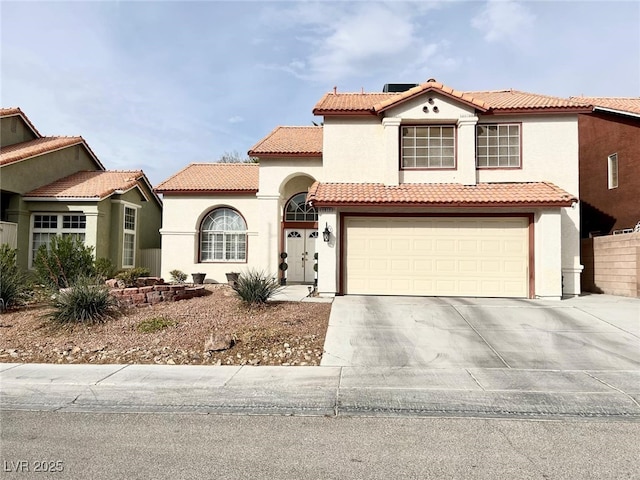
pixel 223 237
pixel 612 171
pixel 298 210
pixel 498 146
pixel 48 225
pixel 428 146
pixel 129 238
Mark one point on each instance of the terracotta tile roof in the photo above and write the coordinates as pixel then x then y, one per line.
pixel 213 177
pixel 431 86
pixel 11 111
pixel 498 101
pixel 501 100
pixel 621 104
pixel 537 194
pixel 298 141
pixel 94 185
pixel 40 146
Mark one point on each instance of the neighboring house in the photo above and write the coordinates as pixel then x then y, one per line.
pixel 56 185
pixel 609 165
pixel 427 191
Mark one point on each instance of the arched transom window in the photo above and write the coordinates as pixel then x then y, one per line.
pixel 223 237
pixel 297 210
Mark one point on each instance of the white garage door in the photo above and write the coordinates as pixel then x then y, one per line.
pixel 439 256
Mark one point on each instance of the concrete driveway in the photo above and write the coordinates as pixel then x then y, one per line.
pixel 592 332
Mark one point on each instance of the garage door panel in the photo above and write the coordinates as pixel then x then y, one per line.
pixel 437 256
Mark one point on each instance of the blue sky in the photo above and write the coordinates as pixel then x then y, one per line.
pixel 159 85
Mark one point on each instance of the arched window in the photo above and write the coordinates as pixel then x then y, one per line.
pixel 298 210
pixel 223 237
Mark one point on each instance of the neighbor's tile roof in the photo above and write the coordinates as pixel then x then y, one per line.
pixel 213 177
pixel 91 185
pixel 32 148
pixel 298 141
pixel 622 104
pixel 440 194
pixel 499 101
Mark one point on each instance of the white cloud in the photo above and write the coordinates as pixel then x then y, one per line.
pixel 364 40
pixel 504 20
pixel 236 119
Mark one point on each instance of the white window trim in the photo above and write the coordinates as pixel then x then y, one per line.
pixel 59 230
pixel 126 231
pixel 613 171
pixel 224 233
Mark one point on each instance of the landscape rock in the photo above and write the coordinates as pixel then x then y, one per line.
pixel 217 343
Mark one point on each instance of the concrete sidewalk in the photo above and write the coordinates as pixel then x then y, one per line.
pixel 350 391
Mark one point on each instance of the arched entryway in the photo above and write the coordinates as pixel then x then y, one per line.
pixel 300 232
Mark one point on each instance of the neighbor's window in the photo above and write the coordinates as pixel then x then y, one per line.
pixel 613 171
pixel 48 225
pixel 129 239
pixel 428 146
pixel 223 237
pixel 498 145
pixel 298 210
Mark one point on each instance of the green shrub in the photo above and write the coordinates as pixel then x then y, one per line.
pixel 84 302
pixel 13 283
pixel 178 276
pixel 155 324
pixel 66 260
pixel 256 287
pixel 130 276
pixel 105 268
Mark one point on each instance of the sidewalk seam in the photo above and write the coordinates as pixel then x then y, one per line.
pixel 111 374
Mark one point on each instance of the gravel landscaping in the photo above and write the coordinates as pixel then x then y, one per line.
pixel 182 332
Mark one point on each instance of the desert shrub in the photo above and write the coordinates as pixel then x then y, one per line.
pixel 255 287
pixel 13 284
pixel 130 275
pixel 86 301
pixel 178 276
pixel 155 324
pixel 66 260
pixel 104 268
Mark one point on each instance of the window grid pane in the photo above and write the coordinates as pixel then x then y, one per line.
pixel 129 218
pixel 298 210
pixel 428 147
pixel 223 237
pixel 129 249
pixel 498 145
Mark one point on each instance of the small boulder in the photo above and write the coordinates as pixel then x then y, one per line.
pixel 217 343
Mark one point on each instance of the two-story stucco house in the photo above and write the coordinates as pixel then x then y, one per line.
pixel 426 191
pixel 57 186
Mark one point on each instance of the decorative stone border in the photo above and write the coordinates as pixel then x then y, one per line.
pixel 152 290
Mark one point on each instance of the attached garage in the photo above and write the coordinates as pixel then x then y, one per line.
pixel 436 256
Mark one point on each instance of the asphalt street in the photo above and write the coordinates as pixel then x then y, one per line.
pixel 191 446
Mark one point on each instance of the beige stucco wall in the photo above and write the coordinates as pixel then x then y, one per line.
pixel 182 216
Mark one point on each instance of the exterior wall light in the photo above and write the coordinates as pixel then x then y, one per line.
pixel 326 234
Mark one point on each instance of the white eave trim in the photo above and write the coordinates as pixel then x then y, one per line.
pixel 61 199
pixel 618 112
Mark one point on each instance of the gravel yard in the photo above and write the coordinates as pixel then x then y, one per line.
pixel 279 333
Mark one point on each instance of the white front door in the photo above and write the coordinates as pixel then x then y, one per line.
pixel 300 248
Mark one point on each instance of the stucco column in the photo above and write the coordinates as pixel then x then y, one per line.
pixel 267 248
pixel 328 252
pixel 91 231
pixel 391 164
pixel 548 254
pixel 466 145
